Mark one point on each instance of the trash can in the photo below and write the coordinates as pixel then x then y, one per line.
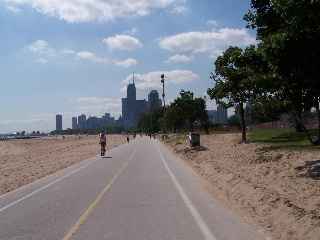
pixel 194 139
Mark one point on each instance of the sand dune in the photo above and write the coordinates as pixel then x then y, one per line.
pixel 276 191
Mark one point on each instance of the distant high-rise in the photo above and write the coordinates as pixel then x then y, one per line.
pixel 128 105
pixel 74 123
pixel 222 115
pixel 139 108
pixel 131 100
pixel 153 100
pixel 82 122
pixel 58 122
pixel 212 114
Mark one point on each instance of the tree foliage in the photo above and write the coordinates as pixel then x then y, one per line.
pixel 289 31
pixel 189 109
pixel 236 79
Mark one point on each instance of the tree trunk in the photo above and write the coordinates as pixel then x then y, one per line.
pixel 317 142
pixel 299 119
pixel 243 122
pixel 298 126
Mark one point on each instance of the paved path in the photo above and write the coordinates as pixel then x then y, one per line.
pixel 139 190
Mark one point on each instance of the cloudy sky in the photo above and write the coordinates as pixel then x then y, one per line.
pixel 74 57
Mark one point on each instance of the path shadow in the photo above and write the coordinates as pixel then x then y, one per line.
pixel 311 169
pixel 106 157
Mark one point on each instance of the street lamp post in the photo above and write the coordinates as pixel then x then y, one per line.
pixel 164 104
pixel 151 122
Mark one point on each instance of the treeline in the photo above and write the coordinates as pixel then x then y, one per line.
pixel 185 112
pixel 280 75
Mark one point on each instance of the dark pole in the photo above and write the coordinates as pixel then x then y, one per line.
pixel 151 121
pixel 164 103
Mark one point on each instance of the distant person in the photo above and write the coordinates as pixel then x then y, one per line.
pixel 128 136
pixel 103 140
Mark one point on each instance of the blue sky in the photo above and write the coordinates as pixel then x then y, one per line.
pixel 74 57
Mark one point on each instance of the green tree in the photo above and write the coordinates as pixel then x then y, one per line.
pixel 233 121
pixel 174 119
pixel 201 113
pixel 188 109
pixel 290 35
pixel 233 85
pixel 149 122
pixel 185 107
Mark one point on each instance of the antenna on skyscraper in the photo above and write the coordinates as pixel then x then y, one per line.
pixel 133 77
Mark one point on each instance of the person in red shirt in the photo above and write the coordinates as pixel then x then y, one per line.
pixel 103 140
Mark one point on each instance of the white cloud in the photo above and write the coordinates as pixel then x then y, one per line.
pixel 127 63
pixel 213 22
pixel 68 51
pixel 123 42
pixel 94 10
pixel 149 81
pixel 99 110
pixel 41 60
pixel 207 42
pixel 180 58
pixel 41 46
pixel 131 32
pixel 93 99
pixel 181 10
pixel 13 8
pixel 90 56
pixel 39 122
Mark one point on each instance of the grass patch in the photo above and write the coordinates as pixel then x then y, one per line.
pixel 284 138
pixel 264 158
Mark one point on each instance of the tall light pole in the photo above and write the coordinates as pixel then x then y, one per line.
pixel 151 122
pixel 164 104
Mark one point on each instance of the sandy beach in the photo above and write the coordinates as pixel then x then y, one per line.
pixel 278 192
pixel 25 161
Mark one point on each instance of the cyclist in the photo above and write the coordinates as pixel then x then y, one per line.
pixel 128 136
pixel 103 141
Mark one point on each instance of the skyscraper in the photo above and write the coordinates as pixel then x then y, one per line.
pixel 74 123
pixel 153 100
pixel 58 122
pixel 82 121
pixel 222 116
pixel 128 105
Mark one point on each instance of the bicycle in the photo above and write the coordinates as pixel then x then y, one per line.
pixel 103 148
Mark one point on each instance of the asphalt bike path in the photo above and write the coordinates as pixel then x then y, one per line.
pixel 138 190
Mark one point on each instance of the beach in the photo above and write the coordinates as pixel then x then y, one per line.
pixel 277 192
pixel 25 161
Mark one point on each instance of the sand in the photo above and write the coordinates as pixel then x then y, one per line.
pixel 25 161
pixel 277 192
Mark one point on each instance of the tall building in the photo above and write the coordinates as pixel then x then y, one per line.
pixel 74 123
pixel 212 114
pixel 222 115
pixel 58 122
pixel 129 115
pixel 139 108
pixel 82 122
pixel 92 123
pixel 153 100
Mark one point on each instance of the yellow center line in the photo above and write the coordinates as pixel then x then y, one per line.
pixel 97 200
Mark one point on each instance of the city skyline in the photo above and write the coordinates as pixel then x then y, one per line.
pixel 131 112
pixel 60 61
